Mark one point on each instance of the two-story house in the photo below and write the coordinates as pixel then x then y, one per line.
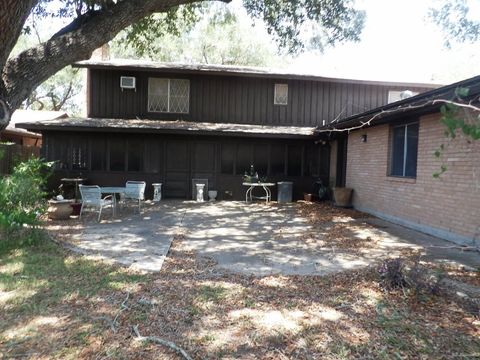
pixel 171 123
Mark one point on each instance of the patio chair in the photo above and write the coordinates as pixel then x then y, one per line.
pixel 135 191
pixel 92 197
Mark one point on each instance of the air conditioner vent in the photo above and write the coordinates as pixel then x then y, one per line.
pixel 127 82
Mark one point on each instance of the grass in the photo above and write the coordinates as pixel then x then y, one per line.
pixel 59 305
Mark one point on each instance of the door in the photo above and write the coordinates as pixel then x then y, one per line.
pixel 177 169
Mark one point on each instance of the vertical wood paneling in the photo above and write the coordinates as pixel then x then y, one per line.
pixel 233 99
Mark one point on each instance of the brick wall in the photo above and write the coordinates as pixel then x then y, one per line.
pixel 448 207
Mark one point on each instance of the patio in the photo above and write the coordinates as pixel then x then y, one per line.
pixel 257 239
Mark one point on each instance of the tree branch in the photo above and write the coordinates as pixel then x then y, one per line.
pixel 13 14
pixel 369 121
pixel 166 343
pixel 75 42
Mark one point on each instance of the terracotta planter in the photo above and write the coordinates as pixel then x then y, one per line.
pixel 59 209
pixel 343 196
pixel 307 197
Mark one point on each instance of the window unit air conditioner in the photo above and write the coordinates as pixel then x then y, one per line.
pixel 127 82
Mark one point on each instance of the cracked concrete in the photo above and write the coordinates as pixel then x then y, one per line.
pixel 256 239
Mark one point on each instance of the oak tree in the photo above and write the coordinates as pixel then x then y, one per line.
pixel 95 22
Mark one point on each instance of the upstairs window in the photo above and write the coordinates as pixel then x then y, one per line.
pixel 404 148
pixel 281 94
pixel 168 95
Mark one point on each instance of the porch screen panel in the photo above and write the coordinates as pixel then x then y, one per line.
pixel 243 159
pixel 260 159
pixel 294 161
pixel 98 151
pixel 277 159
pixel 135 155
pixel 117 155
pixel 312 161
pixel 228 158
pixel 79 153
pixel 60 152
pixel 153 156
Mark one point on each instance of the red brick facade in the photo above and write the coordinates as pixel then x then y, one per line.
pixel 448 207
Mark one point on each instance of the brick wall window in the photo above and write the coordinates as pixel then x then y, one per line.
pixel 404 149
pixel 168 95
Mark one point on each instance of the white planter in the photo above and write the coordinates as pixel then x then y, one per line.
pixel 200 191
pixel 157 192
pixel 212 195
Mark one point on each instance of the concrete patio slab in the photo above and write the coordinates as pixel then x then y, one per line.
pixel 256 239
pixel 141 241
pixel 263 239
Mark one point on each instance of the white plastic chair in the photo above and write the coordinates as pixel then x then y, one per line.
pixel 135 190
pixel 92 197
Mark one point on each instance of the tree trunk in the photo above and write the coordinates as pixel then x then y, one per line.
pixel 5 114
pixel 75 42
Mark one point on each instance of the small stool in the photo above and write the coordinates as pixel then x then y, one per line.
pixel 157 192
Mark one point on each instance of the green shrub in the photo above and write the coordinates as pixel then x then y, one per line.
pixel 22 198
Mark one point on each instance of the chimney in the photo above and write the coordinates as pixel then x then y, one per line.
pixel 102 53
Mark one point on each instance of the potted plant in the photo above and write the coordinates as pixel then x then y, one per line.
pixel 343 196
pixel 59 208
pixel 308 197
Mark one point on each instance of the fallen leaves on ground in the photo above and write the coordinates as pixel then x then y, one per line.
pixel 214 314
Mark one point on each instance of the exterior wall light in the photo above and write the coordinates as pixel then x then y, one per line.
pixel 364 138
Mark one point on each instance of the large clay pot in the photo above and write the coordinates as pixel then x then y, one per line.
pixel 343 196
pixel 59 209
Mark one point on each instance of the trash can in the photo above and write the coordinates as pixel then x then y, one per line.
pixel 284 191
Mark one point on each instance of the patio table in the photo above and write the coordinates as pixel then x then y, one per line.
pixel 264 185
pixel 113 190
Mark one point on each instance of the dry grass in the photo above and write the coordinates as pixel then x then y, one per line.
pixel 58 305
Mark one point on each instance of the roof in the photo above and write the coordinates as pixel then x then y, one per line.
pixel 23 116
pixel 169 126
pixel 426 102
pixel 229 70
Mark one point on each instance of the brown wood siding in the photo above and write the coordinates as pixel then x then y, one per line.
pixel 243 100
pixel 175 160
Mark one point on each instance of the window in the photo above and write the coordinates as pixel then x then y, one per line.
pixel 281 94
pixel 404 146
pixel 168 95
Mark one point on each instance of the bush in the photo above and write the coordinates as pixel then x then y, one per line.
pixel 413 277
pixel 22 198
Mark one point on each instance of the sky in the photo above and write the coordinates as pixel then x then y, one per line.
pixel 398 43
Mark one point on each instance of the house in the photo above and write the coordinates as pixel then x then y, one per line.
pixel 390 164
pixel 172 123
pixel 24 137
